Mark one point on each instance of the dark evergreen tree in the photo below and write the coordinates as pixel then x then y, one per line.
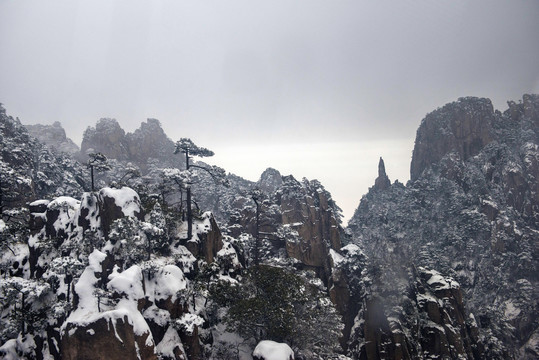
pixel 187 147
pixel 97 162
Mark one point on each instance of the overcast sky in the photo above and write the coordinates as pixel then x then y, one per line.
pixel 319 89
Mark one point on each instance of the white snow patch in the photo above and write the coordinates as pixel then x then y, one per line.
pixel 168 283
pixel 128 282
pixel 189 321
pixel 39 202
pixel 438 282
pixel 511 310
pixel 271 350
pixel 170 341
pixel 336 257
pixel 351 250
pixel 126 198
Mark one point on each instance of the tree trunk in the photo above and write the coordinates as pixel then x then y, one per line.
pixel 257 238
pixel 189 216
pixel 92 175
pixel 189 210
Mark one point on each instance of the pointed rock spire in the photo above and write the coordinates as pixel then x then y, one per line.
pixel 382 182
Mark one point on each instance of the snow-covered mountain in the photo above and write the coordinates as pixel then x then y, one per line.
pixel 471 213
pixel 442 267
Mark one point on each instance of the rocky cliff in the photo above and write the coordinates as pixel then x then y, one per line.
pixel 54 136
pixel 470 212
pixel 30 170
pixel 463 127
pixel 146 144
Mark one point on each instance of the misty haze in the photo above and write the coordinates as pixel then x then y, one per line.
pixel 274 180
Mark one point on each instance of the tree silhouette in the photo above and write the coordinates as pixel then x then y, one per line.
pixel 187 147
pixel 99 162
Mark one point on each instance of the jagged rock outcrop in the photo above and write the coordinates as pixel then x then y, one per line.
pixel 107 137
pixel 308 212
pixel 149 141
pixel 270 180
pixel 382 182
pixel 146 144
pixel 464 127
pixel 54 136
pixel 470 213
pixel 426 320
pixel 29 170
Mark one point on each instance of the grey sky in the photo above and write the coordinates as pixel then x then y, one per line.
pixel 341 80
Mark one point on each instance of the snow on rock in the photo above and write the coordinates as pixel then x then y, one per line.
pixel 171 346
pixel 204 224
pixel 16 261
pixel 126 198
pixel 352 250
pixel 184 258
pixel 228 258
pixel 122 320
pixel 39 203
pixel 127 283
pixel 188 322
pixel 439 282
pixel 15 349
pixel 89 210
pixel 511 311
pixel 85 289
pixel 67 208
pixel 168 283
pixel 271 350
pixel 336 257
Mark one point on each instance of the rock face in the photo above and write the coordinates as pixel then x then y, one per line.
pixel 53 136
pixel 106 339
pixel 147 143
pixel 469 213
pixel 308 212
pixel 270 180
pixel 433 305
pixel 464 127
pixel 209 239
pixel 108 138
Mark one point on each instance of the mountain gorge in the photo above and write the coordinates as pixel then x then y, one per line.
pixel 443 267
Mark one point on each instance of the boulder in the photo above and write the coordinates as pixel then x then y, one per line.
pixel 106 338
pixel 208 240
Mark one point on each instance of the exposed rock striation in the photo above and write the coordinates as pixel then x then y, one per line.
pixel 307 210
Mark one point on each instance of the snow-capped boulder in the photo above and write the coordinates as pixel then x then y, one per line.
pixel 116 204
pixel 271 350
pixel 113 336
pixel 104 326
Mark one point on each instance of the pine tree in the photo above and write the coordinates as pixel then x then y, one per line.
pixel 97 162
pixel 187 147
